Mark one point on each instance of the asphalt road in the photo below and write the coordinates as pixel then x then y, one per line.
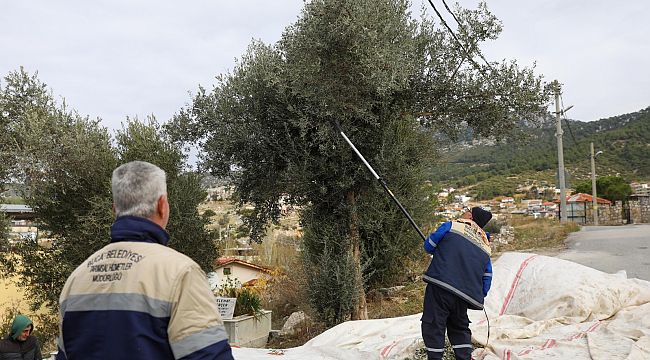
pixel 611 249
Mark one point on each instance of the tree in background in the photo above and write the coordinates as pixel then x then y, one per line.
pixel 146 141
pixel 65 161
pixel 613 188
pixel 19 92
pixel 4 231
pixel 390 81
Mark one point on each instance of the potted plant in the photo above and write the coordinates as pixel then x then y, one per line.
pixel 250 325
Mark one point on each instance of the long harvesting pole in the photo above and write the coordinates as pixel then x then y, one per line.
pixel 381 181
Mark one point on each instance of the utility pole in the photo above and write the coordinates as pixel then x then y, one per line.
pixel 560 154
pixel 593 183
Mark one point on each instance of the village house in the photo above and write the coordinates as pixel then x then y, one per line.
pixel 532 205
pixel 579 207
pixel 640 189
pixel 22 222
pixel 507 202
pixel 244 272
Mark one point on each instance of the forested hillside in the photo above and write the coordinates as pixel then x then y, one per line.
pixel 624 140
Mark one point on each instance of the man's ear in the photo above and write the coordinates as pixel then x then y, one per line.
pixel 163 206
pixel 113 207
pixel 160 206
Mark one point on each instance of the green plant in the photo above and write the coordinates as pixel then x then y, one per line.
pixel 46 329
pixel 7 317
pixel 493 227
pixel 249 301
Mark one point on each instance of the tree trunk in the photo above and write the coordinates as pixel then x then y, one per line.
pixel 361 310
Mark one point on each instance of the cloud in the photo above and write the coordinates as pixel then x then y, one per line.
pixel 110 59
pixel 116 58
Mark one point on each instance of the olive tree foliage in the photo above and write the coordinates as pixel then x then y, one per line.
pixel 146 141
pixel 4 231
pixel 66 161
pixel 18 92
pixel 390 81
pixel 613 188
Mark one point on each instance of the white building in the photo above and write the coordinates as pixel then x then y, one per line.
pixel 239 270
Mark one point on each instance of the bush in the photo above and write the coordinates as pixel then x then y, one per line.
pixel 333 292
pixel 249 301
pixel 286 292
pixel 493 227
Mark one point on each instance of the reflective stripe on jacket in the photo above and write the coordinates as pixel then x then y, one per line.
pixel 140 300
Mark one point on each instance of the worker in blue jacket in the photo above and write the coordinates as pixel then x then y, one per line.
pixel 458 279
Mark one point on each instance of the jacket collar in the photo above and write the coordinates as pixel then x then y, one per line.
pixel 133 228
pixel 478 230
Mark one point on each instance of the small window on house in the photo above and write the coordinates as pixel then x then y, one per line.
pixel 226 271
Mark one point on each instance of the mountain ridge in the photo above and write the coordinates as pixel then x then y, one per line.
pixel 532 156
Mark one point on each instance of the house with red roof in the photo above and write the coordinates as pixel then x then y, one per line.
pixel 580 206
pixel 242 271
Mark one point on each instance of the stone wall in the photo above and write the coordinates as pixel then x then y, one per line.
pixel 639 209
pixel 608 215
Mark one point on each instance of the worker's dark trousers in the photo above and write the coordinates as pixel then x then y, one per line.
pixel 443 309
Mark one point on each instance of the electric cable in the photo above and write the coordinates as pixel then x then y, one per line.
pixel 487 341
pixel 460 44
pixel 478 51
pixel 468 56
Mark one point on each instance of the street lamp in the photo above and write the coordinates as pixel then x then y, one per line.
pixel 593 183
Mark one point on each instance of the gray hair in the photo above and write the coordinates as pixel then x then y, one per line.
pixel 137 186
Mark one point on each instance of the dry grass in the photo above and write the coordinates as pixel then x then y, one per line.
pixel 538 234
pixel 285 293
pixel 304 332
pixel 407 301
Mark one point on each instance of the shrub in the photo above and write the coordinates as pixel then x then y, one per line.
pixel 493 227
pixel 249 301
pixel 286 292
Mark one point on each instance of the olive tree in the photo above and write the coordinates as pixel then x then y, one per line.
pixel 65 162
pixel 391 81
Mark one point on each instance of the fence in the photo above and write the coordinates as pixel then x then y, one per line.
pixel 635 211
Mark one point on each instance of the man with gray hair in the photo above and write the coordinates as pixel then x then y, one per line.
pixel 136 298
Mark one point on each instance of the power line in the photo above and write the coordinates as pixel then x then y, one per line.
pixel 460 44
pixel 467 52
pixel 478 51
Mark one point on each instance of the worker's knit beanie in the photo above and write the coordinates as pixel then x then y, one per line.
pixel 481 217
pixel 21 322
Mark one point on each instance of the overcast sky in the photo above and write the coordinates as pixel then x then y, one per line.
pixel 116 58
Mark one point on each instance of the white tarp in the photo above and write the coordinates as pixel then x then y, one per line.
pixel 539 308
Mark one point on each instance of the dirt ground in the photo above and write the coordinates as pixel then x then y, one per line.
pixel 11 296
